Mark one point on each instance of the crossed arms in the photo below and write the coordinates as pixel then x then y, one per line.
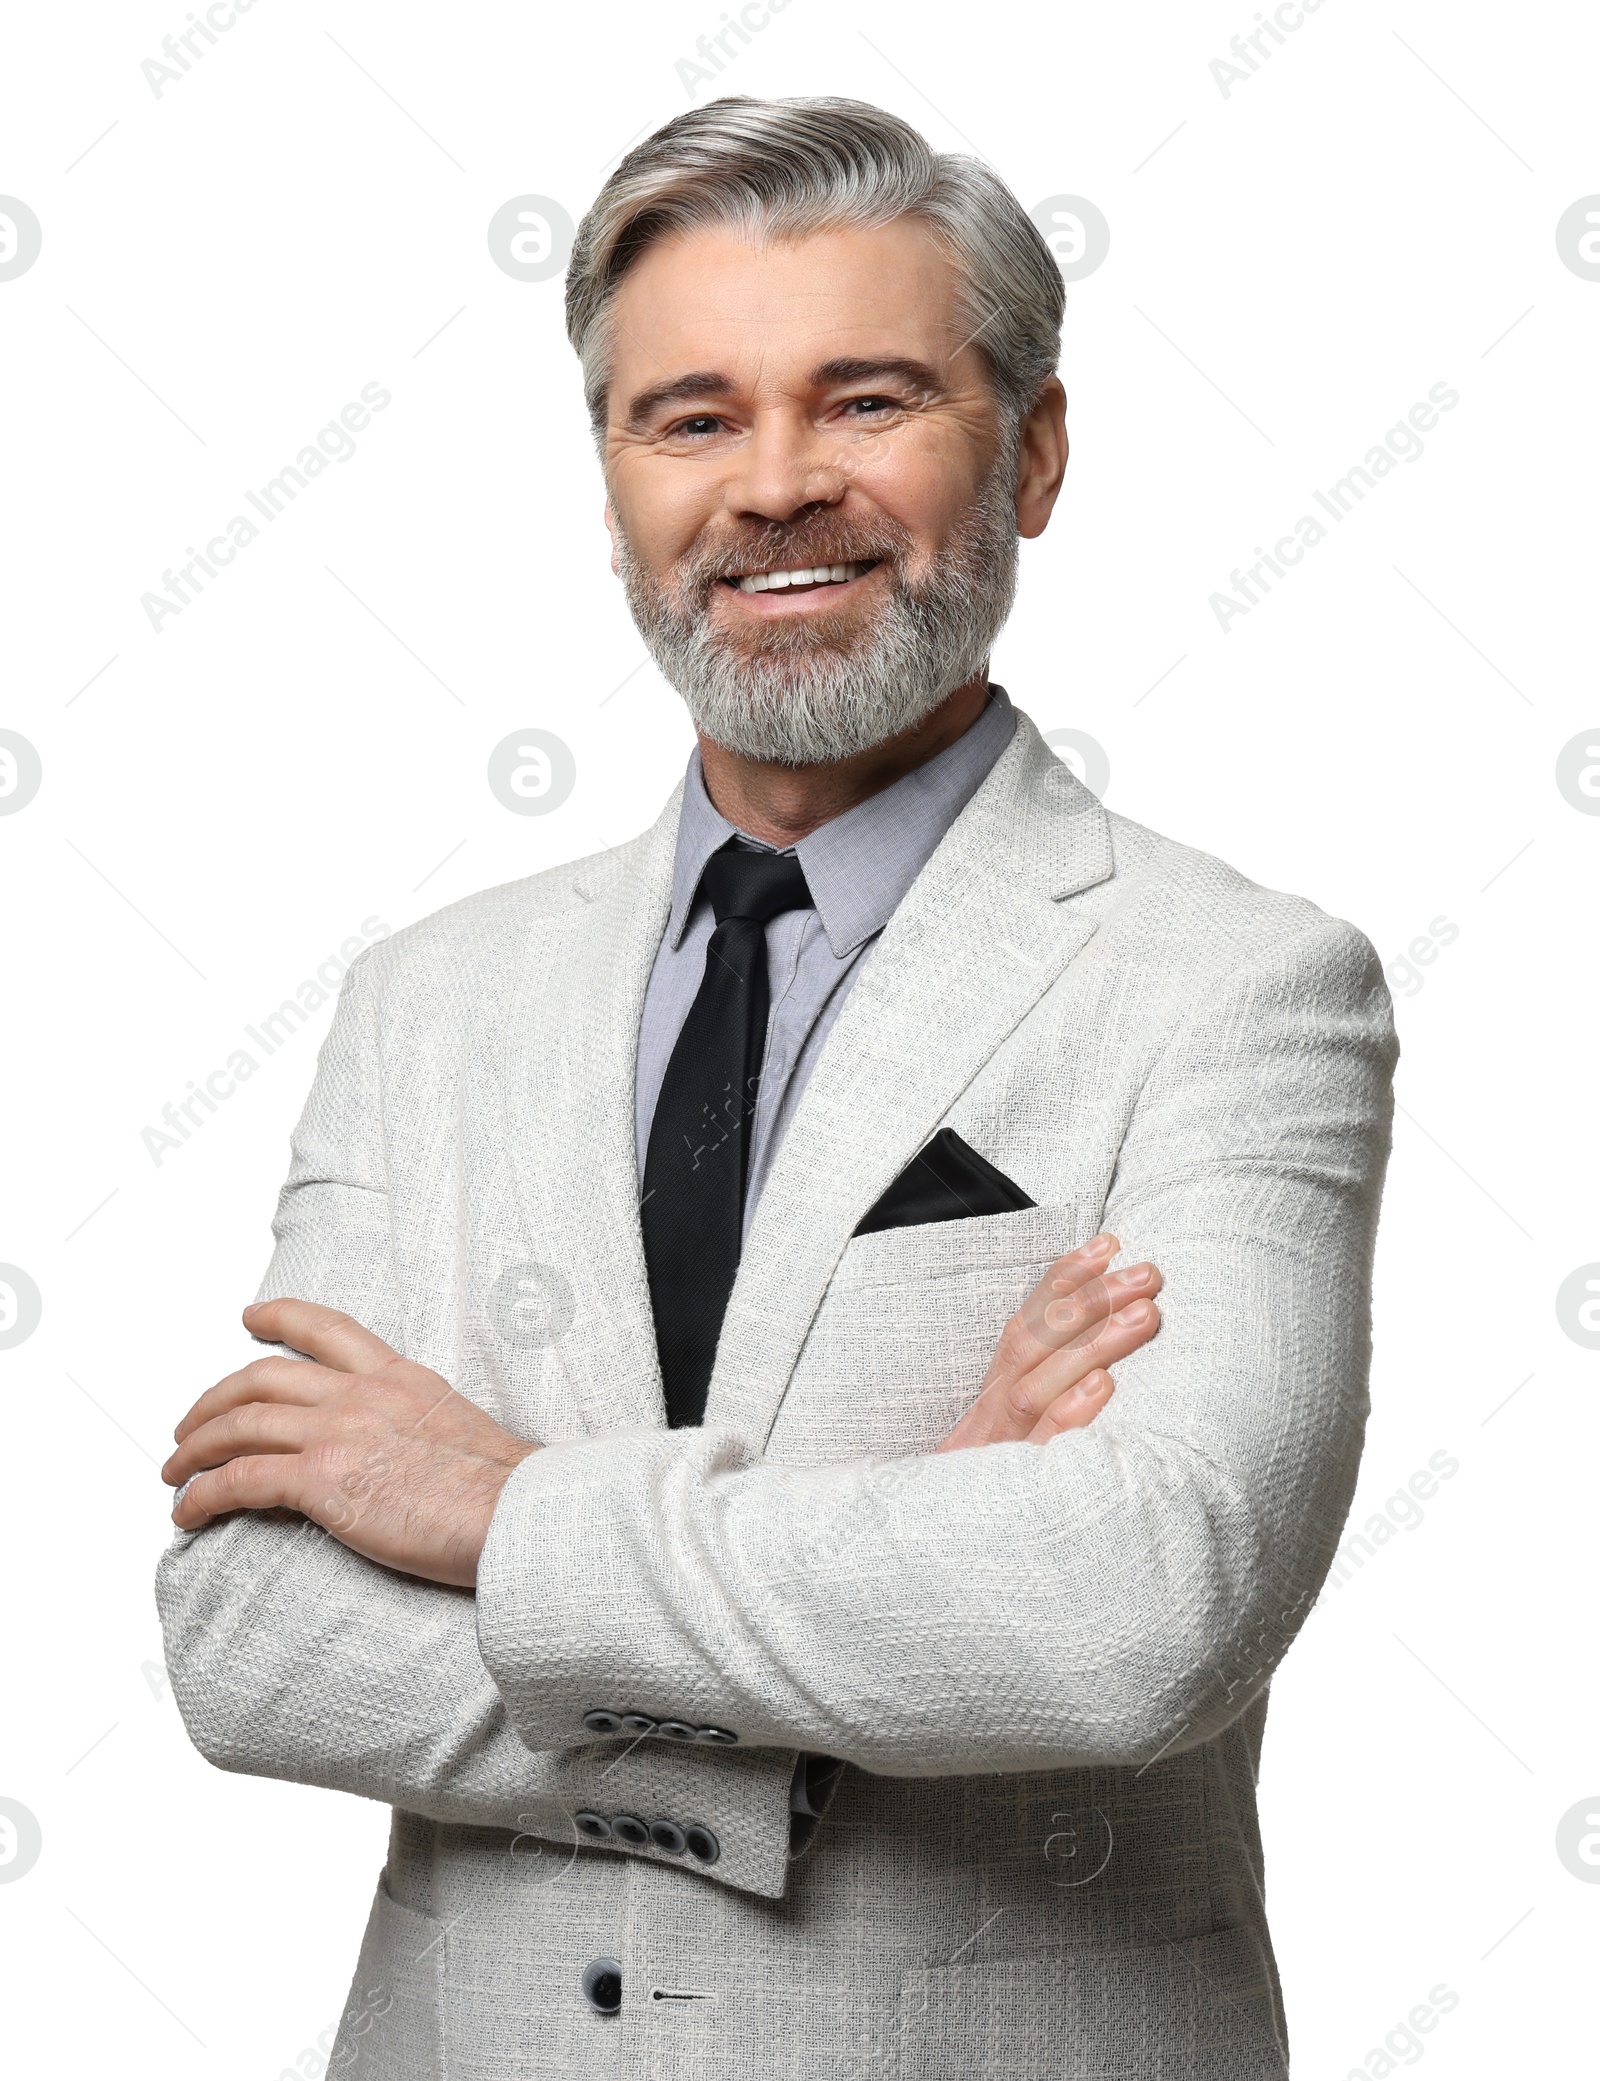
pixel 1118 1591
pixel 386 1456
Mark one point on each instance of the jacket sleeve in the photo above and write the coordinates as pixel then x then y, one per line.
pixel 1124 1591
pixel 292 1657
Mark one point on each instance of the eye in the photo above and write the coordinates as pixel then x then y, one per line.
pixel 871 407
pixel 696 428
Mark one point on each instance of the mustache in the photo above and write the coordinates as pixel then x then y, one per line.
pixel 776 548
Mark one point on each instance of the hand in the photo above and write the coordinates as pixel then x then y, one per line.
pixel 382 1453
pixel 1048 1373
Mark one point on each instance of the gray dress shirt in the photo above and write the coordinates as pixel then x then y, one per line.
pixel 858 867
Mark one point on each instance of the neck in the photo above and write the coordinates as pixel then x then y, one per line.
pixel 781 804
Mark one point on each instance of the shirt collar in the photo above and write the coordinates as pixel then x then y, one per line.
pixel 858 866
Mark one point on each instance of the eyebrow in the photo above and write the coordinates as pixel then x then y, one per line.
pixel 701 383
pixel 710 383
pixel 847 369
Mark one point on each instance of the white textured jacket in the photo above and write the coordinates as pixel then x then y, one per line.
pixel 1045 1670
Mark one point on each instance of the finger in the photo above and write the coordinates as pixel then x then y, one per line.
pixel 323 1333
pixel 1070 1274
pixel 251 1484
pixel 1071 1318
pixel 1078 1407
pixel 993 1420
pixel 1025 1334
pixel 1121 1333
pixel 1066 1309
pixel 1012 1402
pixel 263 1380
pixel 1087 1259
pixel 257 1427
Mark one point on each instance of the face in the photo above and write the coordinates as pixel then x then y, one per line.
pixel 815 496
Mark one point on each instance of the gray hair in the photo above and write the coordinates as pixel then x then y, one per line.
pixel 806 164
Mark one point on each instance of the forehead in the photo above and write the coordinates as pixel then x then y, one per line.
pixel 768 311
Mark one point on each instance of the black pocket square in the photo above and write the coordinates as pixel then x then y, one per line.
pixel 946 1181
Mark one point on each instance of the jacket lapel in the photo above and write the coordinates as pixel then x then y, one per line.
pixel 983 933
pixel 566 1061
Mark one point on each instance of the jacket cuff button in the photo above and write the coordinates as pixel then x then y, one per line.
pixel 603 1722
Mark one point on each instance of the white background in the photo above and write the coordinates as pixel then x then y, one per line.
pixel 1292 265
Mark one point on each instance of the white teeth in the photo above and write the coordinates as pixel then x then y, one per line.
pixel 780 581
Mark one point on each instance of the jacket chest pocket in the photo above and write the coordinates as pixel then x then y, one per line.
pixel 907 1328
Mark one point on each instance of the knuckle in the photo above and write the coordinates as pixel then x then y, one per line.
pixel 359 1416
pixel 328 1463
pixel 1014 1345
pixel 250 1419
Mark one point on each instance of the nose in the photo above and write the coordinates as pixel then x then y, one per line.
pixel 788 467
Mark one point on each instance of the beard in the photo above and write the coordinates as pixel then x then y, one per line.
pixel 812 690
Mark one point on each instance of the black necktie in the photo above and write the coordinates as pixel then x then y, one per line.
pixel 698 1156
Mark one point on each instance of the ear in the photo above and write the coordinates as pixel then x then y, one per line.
pixel 1041 459
pixel 611 530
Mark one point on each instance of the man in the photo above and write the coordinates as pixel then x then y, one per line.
pixel 705 1516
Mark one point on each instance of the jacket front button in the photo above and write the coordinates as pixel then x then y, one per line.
pixel 628 1828
pixel 602 1985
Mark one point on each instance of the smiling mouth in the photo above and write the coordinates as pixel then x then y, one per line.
pixel 807 578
